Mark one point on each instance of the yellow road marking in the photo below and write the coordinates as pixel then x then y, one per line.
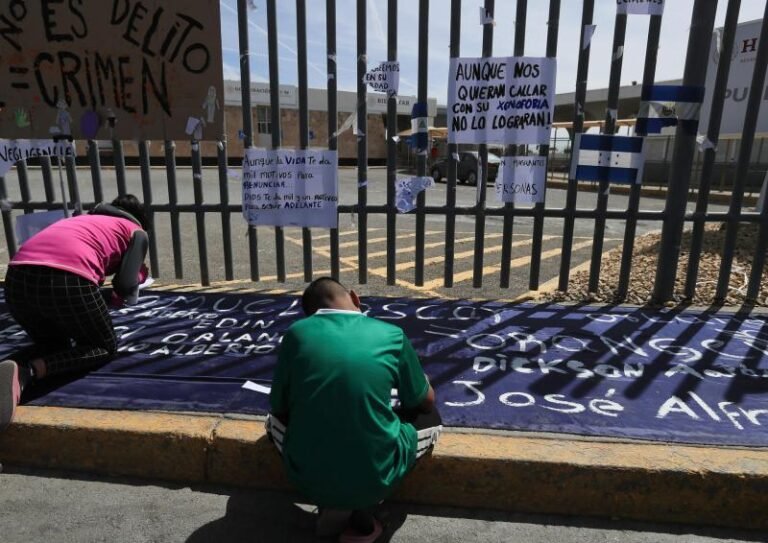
pixel 514 263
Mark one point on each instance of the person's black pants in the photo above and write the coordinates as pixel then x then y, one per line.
pixel 64 315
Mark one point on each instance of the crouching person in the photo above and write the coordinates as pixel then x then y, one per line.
pixel 52 291
pixel 343 444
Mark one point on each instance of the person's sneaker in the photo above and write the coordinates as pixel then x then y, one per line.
pixel 363 528
pixel 10 392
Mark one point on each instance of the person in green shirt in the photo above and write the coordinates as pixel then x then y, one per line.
pixel 343 442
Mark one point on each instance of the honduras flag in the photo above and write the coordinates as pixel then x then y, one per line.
pixel 598 157
pixel 669 105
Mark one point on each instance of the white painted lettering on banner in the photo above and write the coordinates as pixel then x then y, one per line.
pixel 506 100
pixel 286 187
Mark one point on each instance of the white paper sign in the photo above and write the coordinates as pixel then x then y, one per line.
pixel 520 179
pixel 506 100
pixel 640 7
pixel 739 80
pixel 406 191
pixel 385 77
pixel 12 151
pixel 287 187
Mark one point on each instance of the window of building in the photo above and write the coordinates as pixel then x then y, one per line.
pixel 263 122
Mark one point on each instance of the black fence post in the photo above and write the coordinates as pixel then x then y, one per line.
pixel 702 24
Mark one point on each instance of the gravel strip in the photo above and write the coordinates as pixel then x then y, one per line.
pixel 643 272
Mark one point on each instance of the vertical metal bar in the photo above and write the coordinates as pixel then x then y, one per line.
pixel 23 171
pixel 301 40
pixel 649 77
pixel 94 161
pixel 477 269
pixel 742 171
pixel 362 145
pixel 421 158
pixel 10 235
pixel 274 94
pixel 582 70
pixel 245 96
pixel 619 34
pixel 146 189
pixel 119 158
pixel 45 167
pixel 330 41
pixel 197 182
pixel 173 200
pixel 391 148
pixel 702 24
pixel 226 226
pixel 507 229
pixel 450 193
pixel 538 217
pixel 74 188
pixel 713 134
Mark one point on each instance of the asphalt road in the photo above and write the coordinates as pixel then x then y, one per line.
pixel 349 226
pixel 40 507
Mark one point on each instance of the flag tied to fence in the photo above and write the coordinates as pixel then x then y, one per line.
pixel 669 105
pixel 616 159
pixel 420 125
pixel 406 191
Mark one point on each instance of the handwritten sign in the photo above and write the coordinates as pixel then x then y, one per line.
pixel 12 151
pixel 640 7
pixel 287 187
pixel 384 78
pixel 73 66
pixel 520 180
pixel 673 376
pixel 506 100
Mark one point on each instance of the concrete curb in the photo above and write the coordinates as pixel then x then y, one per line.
pixel 539 474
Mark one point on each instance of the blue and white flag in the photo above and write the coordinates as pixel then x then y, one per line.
pixel 617 159
pixel 669 105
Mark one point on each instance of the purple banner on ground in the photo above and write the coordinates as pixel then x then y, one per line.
pixel 678 376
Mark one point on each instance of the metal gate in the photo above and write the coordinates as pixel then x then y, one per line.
pixel 672 218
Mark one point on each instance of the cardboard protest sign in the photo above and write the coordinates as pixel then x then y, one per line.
pixel 640 7
pixel 286 187
pixel 506 100
pixel 521 179
pixel 12 151
pixel 147 65
pixel 384 78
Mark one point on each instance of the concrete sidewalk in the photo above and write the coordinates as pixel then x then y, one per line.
pixel 544 473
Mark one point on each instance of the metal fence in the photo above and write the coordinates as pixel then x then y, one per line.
pixel 680 154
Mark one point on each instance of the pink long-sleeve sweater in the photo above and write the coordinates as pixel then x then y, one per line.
pixel 90 246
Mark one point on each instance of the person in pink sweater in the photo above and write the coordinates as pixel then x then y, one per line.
pixel 52 289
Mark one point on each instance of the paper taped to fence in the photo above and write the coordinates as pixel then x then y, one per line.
pixel 521 179
pixel 640 7
pixel 385 77
pixel 406 191
pixel 287 187
pixel 505 100
pixel 12 151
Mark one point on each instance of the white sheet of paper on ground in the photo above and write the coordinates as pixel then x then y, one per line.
pixel 148 282
pixel 256 387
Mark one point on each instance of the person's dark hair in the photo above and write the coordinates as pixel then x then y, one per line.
pixel 130 204
pixel 320 293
